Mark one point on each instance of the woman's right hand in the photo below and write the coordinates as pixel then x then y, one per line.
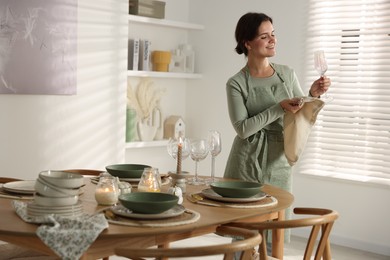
pixel 292 105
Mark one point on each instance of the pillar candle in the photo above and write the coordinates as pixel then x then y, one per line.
pixel 179 150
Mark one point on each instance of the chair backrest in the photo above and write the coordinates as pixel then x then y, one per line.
pixel 247 245
pixel 85 172
pixel 323 220
pixel 8 179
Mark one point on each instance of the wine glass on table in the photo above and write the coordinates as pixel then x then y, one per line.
pixel 173 147
pixel 321 66
pixel 199 150
pixel 215 147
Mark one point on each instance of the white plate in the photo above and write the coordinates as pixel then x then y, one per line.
pixel 124 212
pixel 38 210
pixel 21 187
pixel 210 194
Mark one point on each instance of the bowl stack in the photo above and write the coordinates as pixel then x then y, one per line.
pixel 57 192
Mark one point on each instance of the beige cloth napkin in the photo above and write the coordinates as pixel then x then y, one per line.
pixel 68 237
pixel 297 128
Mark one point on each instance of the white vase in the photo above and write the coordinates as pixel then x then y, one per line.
pixel 146 132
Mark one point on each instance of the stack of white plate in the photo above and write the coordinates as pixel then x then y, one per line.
pixel 57 192
pixel 35 210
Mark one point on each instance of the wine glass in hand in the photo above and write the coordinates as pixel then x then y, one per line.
pixel 321 65
pixel 199 151
pixel 215 147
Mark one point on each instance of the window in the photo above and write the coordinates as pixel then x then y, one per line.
pixel 351 138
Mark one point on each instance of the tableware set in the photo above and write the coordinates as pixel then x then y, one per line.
pixel 236 189
pixel 56 192
pixel 148 202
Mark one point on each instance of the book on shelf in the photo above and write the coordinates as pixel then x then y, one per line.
pixel 144 55
pixel 133 49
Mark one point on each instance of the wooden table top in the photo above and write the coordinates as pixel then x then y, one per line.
pixel 15 230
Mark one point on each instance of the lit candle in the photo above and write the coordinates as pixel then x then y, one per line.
pixel 149 181
pixel 106 195
pixel 179 151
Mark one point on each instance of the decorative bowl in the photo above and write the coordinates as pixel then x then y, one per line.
pixel 62 179
pixel 148 202
pixel 236 189
pixel 55 202
pixel 130 171
pixel 46 189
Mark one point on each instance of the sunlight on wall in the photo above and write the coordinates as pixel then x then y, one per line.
pixel 86 130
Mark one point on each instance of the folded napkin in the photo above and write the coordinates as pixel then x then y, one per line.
pixel 68 237
pixel 297 128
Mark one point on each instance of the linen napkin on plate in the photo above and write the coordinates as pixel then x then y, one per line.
pixel 68 237
pixel 297 128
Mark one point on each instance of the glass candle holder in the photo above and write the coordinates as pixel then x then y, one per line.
pixel 107 191
pixel 150 180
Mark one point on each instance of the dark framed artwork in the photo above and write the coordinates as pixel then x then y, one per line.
pixel 38 47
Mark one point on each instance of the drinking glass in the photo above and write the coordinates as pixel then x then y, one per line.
pixel 321 66
pixel 199 151
pixel 215 147
pixel 173 145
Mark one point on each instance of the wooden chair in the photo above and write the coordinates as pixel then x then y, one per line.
pixel 323 220
pixel 85 172
pixel 247 245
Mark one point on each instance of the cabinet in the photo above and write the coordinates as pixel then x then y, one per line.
pixel 173 28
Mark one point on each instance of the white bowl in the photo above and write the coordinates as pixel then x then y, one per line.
pixel 63 179
pixel 46 189
pixel 55 202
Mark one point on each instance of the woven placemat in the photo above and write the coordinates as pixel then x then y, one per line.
pixel 266 202
pixel 188 217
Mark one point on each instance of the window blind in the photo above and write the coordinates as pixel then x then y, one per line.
pixel 351 138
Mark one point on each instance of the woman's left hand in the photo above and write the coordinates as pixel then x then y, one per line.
pixel 320 86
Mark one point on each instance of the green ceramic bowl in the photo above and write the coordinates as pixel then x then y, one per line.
pixel 148 202
pixel 130 171
pixel 236 189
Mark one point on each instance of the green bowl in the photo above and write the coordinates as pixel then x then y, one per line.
pixel 236 189
pixel 130 171
pixel 148 202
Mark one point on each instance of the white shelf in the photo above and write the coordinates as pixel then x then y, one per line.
pixel 166 23
pixel 159 143
pixel 156 74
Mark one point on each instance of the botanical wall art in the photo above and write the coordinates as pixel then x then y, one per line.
pixel 38 47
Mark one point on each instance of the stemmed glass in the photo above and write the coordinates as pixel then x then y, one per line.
pixel 173 145
pixel 321 65
pixel 199 151
pixel 215 147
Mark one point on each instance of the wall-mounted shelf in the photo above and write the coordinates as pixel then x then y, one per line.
pixel 155 74
pixel 164 22
pixel 159 143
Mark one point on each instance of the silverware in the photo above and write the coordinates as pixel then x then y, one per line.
pixel 196 198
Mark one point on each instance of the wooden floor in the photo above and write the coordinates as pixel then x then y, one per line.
pixel 293 250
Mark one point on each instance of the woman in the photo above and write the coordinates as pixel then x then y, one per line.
pixel 258 96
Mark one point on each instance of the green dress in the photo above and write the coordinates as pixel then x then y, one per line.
pixel 257 152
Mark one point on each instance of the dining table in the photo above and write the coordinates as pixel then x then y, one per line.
pixel 211 215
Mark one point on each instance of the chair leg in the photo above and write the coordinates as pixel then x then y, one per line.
pixel 327 254
pixel 263 245
pixel 165 245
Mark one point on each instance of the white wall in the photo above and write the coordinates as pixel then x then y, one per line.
pixel 40 132
pixel 364 209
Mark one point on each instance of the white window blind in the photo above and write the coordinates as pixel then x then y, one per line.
pixel 351 138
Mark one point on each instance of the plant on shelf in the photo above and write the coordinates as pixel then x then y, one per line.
pixel 146 102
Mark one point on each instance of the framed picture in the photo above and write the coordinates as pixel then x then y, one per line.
pixel 38 47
